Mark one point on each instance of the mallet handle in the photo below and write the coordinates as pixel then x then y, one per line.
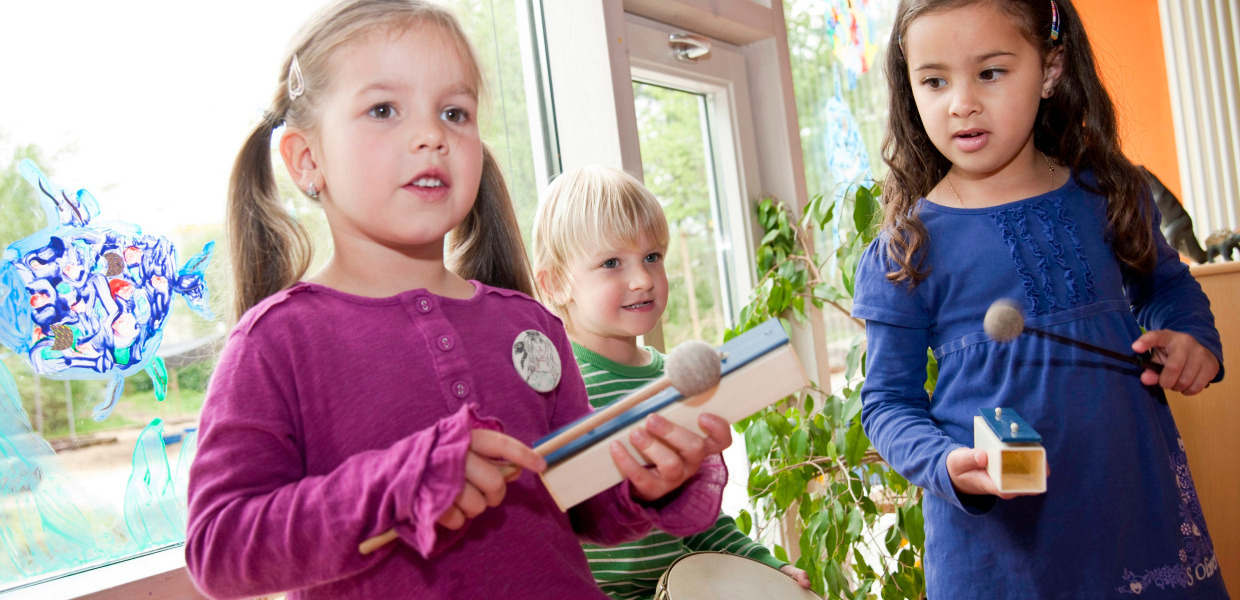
pixel 603 415
pixel 1142 361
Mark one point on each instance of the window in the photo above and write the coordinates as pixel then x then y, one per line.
pixel 836 48
pixel 148 116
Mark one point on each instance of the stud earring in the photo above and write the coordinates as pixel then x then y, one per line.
pixel 1046 92
pixel 312 191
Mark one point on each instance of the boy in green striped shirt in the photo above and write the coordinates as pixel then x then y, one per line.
pixel 599 241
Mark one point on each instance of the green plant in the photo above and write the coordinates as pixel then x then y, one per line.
pixel 860 522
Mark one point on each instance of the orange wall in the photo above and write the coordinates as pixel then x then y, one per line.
pixel 1128 44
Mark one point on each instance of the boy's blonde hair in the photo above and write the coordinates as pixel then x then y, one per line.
pixel 584 210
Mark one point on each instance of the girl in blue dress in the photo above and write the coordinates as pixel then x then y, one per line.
pixel 1007 182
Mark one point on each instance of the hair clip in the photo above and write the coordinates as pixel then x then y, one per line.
pixel 297 83
pixel 1054 22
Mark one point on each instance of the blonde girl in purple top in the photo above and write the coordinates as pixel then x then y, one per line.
pixel 380 392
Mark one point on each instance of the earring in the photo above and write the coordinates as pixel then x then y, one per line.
pixel 1046 92
pixel 312 191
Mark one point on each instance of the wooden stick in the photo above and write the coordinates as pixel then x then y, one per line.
pixel 599 417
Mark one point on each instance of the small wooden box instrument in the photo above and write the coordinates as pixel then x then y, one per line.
pixel 1015 458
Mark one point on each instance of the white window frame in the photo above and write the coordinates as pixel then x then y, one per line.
pixel 723 81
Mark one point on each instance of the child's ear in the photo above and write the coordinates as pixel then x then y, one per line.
pixel 298 157
pixel 1051 72
pixel 552 287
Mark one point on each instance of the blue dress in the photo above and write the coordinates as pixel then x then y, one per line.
pixel 1120 516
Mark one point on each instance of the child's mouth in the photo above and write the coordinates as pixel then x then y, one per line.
pixel 639 305
pixel 971 141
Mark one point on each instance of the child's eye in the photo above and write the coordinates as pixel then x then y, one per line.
pixel 654 257
pixel 934 83
pixel 454 114
pixel 610 263
pixel 991 74
pixel 382 111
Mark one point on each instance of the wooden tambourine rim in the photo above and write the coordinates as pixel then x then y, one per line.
pixel 661 588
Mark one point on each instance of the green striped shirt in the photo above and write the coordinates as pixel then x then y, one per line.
pixel 632 569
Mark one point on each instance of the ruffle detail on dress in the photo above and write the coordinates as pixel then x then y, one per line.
pixel 1048 291
pixel 1026 278
pixel 1071 282
pixel 1087 275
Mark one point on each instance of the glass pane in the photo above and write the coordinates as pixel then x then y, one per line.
pixel 148 119
pixel 836 49
pixel 673 127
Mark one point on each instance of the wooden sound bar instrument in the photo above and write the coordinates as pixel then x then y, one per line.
pixel 759 368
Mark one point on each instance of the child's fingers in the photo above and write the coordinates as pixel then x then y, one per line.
pixel 1188 376
pixel 485 476
pixel 1150 377
pixel 718 432
pixel 470 501
pixel 495 445
pixel 452 518
pixel 799 575
pixel 1158 338
pixel 642 479
pixel 1204 377
pixel 1171 372
pixel 668 462
pixel 687 445
pixel 962 460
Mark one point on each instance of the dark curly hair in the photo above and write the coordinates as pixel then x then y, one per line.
pixel 1076 126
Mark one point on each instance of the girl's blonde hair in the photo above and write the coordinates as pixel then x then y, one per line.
pixel 584 210
pixel 1076 126
pixel 270 249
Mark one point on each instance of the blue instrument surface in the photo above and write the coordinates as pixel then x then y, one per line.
pixel 1001 424
pixel 740 351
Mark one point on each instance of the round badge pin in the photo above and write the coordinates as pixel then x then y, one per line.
pixel 536 360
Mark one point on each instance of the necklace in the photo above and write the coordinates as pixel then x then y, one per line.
pixel 1049 167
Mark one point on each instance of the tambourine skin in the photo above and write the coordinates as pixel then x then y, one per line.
pixel 723 576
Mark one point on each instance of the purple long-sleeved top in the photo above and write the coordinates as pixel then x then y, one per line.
pixel 333 418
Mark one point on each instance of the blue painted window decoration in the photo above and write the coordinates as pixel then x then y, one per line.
pixel 89 300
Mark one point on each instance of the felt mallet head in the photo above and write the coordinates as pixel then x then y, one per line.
pixel 693 367
pixel 1004 321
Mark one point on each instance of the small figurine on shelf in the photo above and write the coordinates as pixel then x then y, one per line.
pixel 1222 244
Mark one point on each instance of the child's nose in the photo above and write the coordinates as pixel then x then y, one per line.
pixel 965 102
pixel 429 136
pixel 640 280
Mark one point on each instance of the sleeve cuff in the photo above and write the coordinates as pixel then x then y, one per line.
pixel 972 504
pixel 424 491
pixel 691 508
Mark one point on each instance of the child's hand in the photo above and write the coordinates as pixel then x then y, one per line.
pixel 493 461
pixel 1187 366
pixel 801 577
pixel 674 451
pixel 967 469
